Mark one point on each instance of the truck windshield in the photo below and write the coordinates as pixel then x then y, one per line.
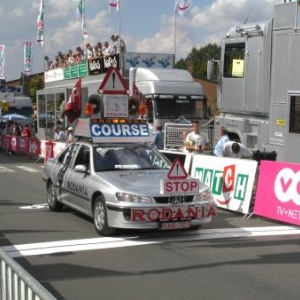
pixel 168 108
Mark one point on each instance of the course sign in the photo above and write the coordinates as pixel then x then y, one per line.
pixel 177 182
pixel 123 132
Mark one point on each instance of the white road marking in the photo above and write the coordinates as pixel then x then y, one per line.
pixel 29 169
pixel 35 206
pixel 6 170
pixel 110 242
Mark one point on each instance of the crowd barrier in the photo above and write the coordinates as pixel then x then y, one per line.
pixel 30 146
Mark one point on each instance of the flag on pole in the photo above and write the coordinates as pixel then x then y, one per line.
pixel 81 13
pixel 182 6
pixel 40 25
pixel 2 61
pixel 73 106
pixel 28 57
pixel 113 4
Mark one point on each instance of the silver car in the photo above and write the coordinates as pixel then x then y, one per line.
pixel 118 185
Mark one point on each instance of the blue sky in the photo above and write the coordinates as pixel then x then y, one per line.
pixel 146 26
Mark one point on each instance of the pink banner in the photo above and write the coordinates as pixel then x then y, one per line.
pixel 34 147
pixel 48 150
pixel 278 192
pixel 7 142
pixel 24 145
pixel 15 144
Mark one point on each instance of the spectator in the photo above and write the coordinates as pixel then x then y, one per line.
pixel 17 130
pixel 70 135
pixel 218 151
pixel 89 51
pixel 114 45
pixel 98 50
pixel 196 141
pixel 59 135
pixel 158 138
pixel 26 131
pixel 121 43
pixel 55 63
pixel 235 149
pixel 107 50
pixel 48 63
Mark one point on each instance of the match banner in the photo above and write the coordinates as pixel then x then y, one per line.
pixel 231 180
pixel 2 61
pixel 28 57
pixel 278 192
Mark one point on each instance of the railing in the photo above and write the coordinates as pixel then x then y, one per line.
pixel 17 284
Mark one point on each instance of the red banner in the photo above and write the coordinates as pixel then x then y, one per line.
pixel 7 142
pixel 15 144
pixel 48 150
pixel 24 145
pixel 34 148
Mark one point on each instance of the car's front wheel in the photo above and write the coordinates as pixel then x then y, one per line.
pixel 100 218
pixel 53 203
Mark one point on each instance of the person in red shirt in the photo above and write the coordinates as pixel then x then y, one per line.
pixel 26 131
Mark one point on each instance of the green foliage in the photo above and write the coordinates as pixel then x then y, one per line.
pixel 199 59
pixel 36 83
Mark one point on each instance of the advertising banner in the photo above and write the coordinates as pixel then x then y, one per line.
pixel 34 148
pixel 230 180
pixel 24 145
pixel 15 144
pixel 278 192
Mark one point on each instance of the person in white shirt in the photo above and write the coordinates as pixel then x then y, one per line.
pixel 70 135
pixel 196 141
pixel 59 135
pixel 218 151
pixel 237 150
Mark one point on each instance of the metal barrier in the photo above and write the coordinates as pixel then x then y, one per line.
pixel 174 136
pixel 17 284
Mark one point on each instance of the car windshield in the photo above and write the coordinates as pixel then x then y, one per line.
pixel 128 157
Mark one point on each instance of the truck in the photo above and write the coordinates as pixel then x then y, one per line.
pixel 170 94
pixel 258 84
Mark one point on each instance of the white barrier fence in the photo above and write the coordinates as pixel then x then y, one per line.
pixel 17 284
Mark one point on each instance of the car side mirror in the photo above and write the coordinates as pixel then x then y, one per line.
pixel 81 169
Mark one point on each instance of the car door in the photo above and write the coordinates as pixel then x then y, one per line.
pixel 78 183
pixel 61 170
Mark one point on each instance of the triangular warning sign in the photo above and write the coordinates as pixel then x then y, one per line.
pixel 113 83
pixel 177 170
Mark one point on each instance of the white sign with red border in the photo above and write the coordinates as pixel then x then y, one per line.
pixel 177 182
pixel 113 83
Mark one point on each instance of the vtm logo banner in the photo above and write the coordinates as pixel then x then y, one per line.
pixel 278 192
pixel 230 180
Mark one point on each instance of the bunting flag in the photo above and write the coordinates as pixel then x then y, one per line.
pixel 182 6
pixel 40 25
pixel 81 13
pixel 113 4
pixel 73 106
pixel 28 57
pixel 2 61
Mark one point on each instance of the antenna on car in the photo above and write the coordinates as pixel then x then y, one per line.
pixel 246 20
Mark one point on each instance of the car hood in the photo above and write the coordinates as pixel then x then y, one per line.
pixel 136 181
pixel 146 182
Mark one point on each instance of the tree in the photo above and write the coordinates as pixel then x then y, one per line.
pixel 199 59
pixel 36 83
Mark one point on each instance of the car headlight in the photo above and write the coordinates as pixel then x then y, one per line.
pixel 204 196
pixel 125 197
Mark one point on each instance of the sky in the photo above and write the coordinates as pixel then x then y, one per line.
pixel 145 25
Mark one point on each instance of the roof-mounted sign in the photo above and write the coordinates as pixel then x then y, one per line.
pixel 113 83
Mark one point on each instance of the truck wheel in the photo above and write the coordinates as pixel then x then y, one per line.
pixel 100 218
pixel 53 203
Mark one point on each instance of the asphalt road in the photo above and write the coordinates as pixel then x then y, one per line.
pixel 231 258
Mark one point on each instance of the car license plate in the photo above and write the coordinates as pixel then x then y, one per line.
pixel 175 225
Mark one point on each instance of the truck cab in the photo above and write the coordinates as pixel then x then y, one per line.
pixel 259 89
